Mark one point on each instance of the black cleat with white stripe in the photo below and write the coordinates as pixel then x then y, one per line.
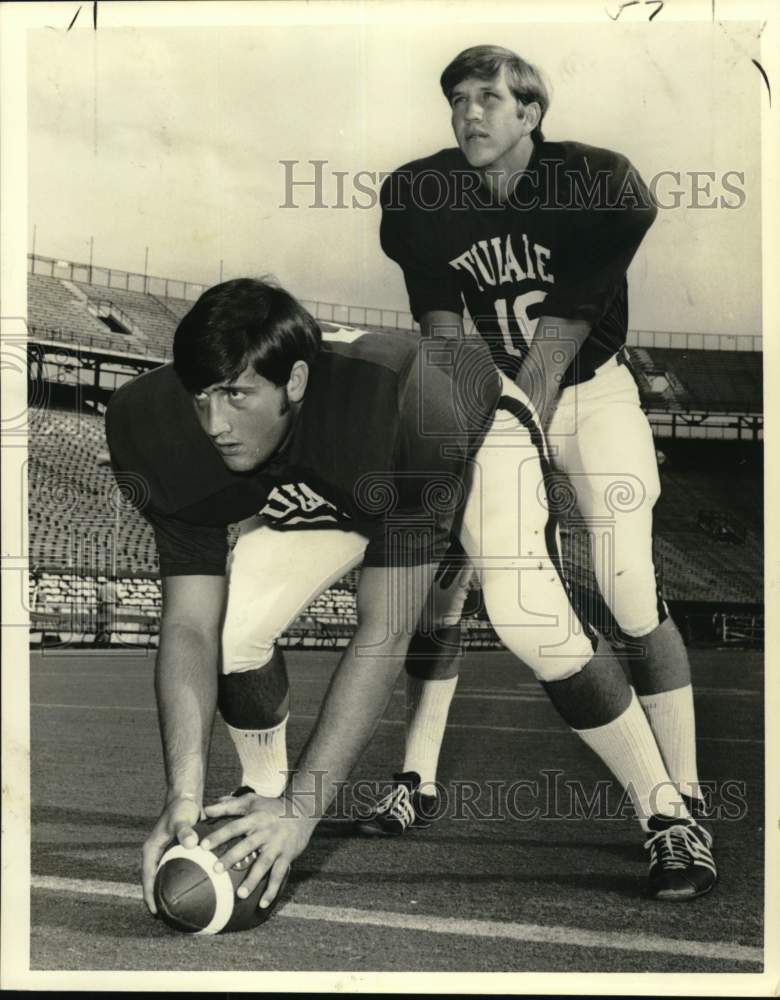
pixel 404 807
pixel 699 809
pixel 681 862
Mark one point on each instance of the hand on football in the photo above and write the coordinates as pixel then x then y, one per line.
pixel 267 826
pixel 176 823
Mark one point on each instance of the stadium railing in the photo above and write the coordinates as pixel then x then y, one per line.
pixel 335 312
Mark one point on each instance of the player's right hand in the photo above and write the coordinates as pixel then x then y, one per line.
pixel 176 823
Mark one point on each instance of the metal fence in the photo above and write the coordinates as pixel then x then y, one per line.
pixel 695 341
pixel 108 277
pixel 334 312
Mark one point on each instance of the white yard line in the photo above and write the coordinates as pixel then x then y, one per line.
pixel 530 691
pixel 385 722
pixel 565 937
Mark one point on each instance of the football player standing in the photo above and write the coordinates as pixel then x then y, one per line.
pixel 535 238
pixel 362 448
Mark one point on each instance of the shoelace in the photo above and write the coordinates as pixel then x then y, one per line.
pixel 679 847
pixel 398 805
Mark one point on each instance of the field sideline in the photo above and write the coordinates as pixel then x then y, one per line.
pixel 529 887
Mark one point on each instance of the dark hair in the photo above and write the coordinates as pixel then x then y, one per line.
pixel 485 61
pixel 239 323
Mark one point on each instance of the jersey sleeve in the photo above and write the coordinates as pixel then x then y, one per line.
pixel 188 549
pixel 604 236
pixel 408 234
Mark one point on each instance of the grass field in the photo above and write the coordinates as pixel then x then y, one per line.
pixel 528 888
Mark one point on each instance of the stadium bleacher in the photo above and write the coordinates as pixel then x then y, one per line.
pixel 66 310
pixel 51 307
pixel 706 380
pixel 151 314
pixel 74 502
pixel 712 474
pixel 177 307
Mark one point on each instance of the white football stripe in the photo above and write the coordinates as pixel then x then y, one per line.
pixel 566 937
pixel 221 881
pixel 466 692
pixel 300 716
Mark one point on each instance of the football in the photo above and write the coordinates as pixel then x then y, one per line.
pixel 192 897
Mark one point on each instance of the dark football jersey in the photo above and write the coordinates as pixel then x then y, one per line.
pixel 560 246
pixel 381 445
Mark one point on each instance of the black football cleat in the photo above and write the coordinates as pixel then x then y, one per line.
pixel 404 807
pixel 681 862
pixel 700 811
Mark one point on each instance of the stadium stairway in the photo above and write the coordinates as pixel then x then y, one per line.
pixel 54 308
pixel 146 311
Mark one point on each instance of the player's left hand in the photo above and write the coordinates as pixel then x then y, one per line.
pixel 268 826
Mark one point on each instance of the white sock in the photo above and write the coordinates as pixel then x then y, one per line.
pixel 427 708
pixel 672 719
pixel 263 756
pixel 628 748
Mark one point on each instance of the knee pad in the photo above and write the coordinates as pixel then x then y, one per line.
pixel 255 699
pixel 434 655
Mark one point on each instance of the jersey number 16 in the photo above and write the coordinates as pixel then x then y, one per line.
pixel 527 326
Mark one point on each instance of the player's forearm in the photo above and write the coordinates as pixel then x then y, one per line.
pixel 553 349
pixel 186 688
pixel 353 706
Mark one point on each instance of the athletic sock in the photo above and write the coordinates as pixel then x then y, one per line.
pixel 673 721
pixel 427 708
pixel 628 748
pixel 263 756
